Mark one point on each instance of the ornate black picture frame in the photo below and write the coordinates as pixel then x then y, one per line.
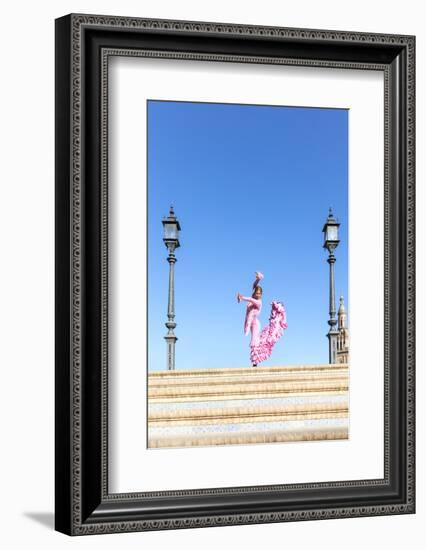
pixel 83 503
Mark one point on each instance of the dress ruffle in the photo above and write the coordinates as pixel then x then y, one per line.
pixel 270 335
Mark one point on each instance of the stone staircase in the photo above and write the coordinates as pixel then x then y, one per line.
pixel 251 405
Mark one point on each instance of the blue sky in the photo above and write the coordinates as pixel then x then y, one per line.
pixel 251 186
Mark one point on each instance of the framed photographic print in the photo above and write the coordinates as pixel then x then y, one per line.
pixel 234 274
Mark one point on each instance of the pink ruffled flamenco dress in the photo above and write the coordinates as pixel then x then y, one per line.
pixel 262 342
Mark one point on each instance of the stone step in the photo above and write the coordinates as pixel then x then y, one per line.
pixel 227 415
pixel 231 391
pixel 249 438
pixel 247 380
pixel 250 371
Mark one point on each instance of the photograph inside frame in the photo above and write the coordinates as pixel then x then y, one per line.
pixel 248 304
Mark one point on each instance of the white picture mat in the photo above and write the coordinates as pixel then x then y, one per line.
pixel 133 467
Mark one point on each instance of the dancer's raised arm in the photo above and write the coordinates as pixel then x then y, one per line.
pixel 247 299
pixel 259 277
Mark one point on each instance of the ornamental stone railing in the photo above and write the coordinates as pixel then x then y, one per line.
pixel 250 405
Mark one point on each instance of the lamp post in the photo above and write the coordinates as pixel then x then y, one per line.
pixel 331 241
pixel 171 228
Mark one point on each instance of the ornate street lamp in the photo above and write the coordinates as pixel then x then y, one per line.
pixel 171 228
pixel 331 241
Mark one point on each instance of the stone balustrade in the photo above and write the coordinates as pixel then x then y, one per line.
pixel 251 405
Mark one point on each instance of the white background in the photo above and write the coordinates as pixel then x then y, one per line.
pixel 26 303
pixel 132 81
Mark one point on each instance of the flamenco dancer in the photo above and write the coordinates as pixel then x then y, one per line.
pixel 262 342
